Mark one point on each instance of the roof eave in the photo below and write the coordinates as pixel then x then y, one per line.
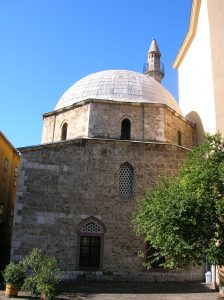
pixel 195 9
pixel 9 143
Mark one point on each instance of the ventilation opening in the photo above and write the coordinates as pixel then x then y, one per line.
pixel 126 129
pixel 91 227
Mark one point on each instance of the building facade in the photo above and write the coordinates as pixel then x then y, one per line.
pixel 108 140
pixel 9 166
pixel 200 67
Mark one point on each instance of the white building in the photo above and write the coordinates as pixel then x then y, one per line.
pixel 200 66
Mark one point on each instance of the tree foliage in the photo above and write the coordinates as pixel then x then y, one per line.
pixel 183 216
pixel 43 274
pixel 14 274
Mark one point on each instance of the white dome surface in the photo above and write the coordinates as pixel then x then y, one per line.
pixel 118 85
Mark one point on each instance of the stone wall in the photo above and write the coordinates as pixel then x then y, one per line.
pixel 77 119
pixel 146 121
pixel 174 123
pixel 62 184
pixel 102 119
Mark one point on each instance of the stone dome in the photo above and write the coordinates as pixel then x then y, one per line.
pixel 118 85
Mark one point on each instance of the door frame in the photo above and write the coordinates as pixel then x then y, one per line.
pixel 94 234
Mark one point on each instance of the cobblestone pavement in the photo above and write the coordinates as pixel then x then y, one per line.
pixel 133 291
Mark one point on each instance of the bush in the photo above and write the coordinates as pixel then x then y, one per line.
pixel 43 274
pixel 14 274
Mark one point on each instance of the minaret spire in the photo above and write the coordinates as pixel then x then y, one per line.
pixel 154 68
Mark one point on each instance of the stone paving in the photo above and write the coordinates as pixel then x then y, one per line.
pixel 133 291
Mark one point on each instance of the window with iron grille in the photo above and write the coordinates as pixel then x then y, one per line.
pixel 91 234
pixel 91 227
pixel 126 180
pixel 89 252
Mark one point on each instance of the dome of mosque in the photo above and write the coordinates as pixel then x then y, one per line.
pixel 120 86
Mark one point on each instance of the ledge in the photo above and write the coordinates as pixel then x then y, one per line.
pixel 83 141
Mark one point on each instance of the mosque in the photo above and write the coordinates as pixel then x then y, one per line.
pixel 109 138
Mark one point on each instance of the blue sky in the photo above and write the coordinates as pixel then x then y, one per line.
pixel 47 45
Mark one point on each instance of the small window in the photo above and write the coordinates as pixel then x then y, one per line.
pixel 15 176
pixel 91 227
pixel 125 129
pixel 5 169
pixel 126 180
pixel 151 255
pixel 64 132
pixel 179 138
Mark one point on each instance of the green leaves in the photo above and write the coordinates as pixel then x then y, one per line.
pixel 36 273
pixel 184 216
pixel 14 274
pixel 43 274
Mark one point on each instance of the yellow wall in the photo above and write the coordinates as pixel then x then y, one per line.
pixel 9 164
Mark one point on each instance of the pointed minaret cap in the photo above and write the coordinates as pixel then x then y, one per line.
pixel 154 47
pixel 154 68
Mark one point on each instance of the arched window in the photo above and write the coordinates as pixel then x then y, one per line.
pixel 125 129
pixel 90 244
pixel 91 227
pixel 64 132
pixel 126 180
pixel 179 138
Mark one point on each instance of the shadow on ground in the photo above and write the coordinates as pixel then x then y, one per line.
pixel 87 288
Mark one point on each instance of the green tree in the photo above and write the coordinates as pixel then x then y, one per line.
pixel 183 216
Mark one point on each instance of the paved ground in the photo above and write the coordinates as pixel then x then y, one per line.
pixel 133 291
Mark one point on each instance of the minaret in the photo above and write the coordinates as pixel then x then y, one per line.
pixel 154 68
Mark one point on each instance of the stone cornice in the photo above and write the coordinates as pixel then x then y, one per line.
pixel 111 102
pixel 195 9
pixel 83 141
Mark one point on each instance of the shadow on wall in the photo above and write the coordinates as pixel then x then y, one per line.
pixel 194 117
